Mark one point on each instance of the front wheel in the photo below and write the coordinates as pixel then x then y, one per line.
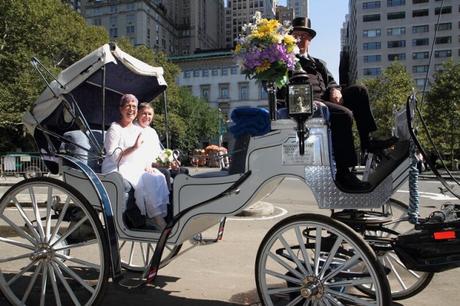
pixel 54 251
pixel 312 259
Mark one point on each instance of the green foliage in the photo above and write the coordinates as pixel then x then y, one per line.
pixel 47 30
pixel 442 109
pixel 387 91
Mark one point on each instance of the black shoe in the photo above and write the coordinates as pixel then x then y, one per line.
pixel 376 145
pixel 347 180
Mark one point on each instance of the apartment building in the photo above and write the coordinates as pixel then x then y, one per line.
pixel 381 32
pixel 284 14
pixel 300 7
pixel 176 27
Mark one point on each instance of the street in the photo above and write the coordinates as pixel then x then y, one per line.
pixel 222 273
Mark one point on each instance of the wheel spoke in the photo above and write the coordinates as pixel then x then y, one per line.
pixel 70 230
pixel 142 252
pixel 18 230
pixel 303 249
pixel 351 282
pixel 398 277
pixel 36 210
pixel 285 265
pixel 333 300
pixel 60 218
pixel 332 253
pixel 295 301
pixel 293 256
pixel 57 296
pixel 44 282
pixel 283 290
pixel 352 298
pixel 31 283
pixel 20 273
pixel 344 266
pixel 396 259
pixel 65 283
pixel 319 231
pixel 48 214
pixel 76 245
pixel 75 276
pixel 79 261
pixel 284 277
pixel 131 253
pixel 122 245
pixel 26 220
pixel 17 243
pixel 3 260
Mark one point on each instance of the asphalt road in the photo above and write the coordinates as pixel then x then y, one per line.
pixel 220 274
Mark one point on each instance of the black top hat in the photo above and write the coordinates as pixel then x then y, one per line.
pixel 303 24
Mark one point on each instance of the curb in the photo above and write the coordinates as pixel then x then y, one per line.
pixel 258 209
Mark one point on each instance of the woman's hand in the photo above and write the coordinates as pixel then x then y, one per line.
pixel 139 141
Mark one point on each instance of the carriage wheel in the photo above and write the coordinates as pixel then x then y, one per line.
pixel 314 260
pixel 404 283
pixel 49 258
pixel 136 255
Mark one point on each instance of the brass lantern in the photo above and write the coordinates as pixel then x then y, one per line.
pixel 300 103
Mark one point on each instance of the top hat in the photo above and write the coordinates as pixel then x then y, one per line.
pixel 303 24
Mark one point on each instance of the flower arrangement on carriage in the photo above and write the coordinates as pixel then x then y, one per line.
pixel 266 51
pixel 165 158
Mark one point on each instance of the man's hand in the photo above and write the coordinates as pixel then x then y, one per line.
pixel 175 165
pixel 335 96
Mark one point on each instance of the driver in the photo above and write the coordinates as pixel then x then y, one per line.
pixel 344 106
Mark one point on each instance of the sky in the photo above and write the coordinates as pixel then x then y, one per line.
pixel 327 17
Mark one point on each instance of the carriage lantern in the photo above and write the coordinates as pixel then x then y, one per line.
pixel 300 103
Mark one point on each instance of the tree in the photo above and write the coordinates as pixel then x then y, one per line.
pixel 387 91
pixel 48 30
pixel 442 109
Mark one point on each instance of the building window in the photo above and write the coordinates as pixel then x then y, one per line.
pixel 113 21
pixel 187 74
pixel 396 44
pixel 263 93
pixel 371 5
pixel 444 10
pixel 97 21
pixel 130 29
pixel 397 31
pixel 373 17
pixel 223 91
pixel 396 15
pixel 372 45
pixel 205 73
pixel 420 83
pixel 196 73
pixel 214 72
pixel 397 57
pixel 419 68
pixel 445 26
pixel 420 42
pixel 113 9
pixel 443 40
pixel 371 71
pixel 420 28
pixel 442 53
pixel 438 67
pixel 420 13
pixel 244 91
pixel 205 92
pixel 234 70
pixel 420 1
pixel 372 33
pixel 396 2
pixel 372 58
pixel 420 55
pixel 113 32
pixel 224 71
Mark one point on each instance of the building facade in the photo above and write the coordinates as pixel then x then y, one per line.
pixel 174 26
pixel 381 32
pixel 300 7
pixel 284 14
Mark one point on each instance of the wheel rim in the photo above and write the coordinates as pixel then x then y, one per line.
pixel 318 265
pixel 403 282
pixel 136 255
pixel 46 260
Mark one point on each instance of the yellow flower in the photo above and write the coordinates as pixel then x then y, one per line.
pixel 289 40
pixel 237 48
pixel 265 65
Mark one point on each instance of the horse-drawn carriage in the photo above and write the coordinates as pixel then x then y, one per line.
pixel 65 238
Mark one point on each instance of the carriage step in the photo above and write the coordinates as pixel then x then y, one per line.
pixel 132 283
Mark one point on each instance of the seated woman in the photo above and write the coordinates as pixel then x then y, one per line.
pixel 153 146
pixel 126 153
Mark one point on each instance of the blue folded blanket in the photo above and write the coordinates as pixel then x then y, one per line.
pixel 250 120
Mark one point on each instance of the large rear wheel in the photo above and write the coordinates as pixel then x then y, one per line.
pixel 54 250
pixel 314 260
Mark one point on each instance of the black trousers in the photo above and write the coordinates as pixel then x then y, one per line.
pixel 355 106
pixel 170 173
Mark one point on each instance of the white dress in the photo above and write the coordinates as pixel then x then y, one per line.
pixel 150 189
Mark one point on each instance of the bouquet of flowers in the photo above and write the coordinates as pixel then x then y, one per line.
pixel 266 51
pixel 165 158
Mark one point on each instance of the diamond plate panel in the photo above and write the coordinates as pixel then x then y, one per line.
pixel 328 196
